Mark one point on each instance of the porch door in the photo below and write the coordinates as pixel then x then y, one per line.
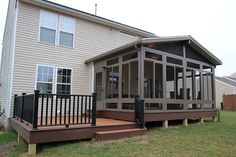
pixel 99 89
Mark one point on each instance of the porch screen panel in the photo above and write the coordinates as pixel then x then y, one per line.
pixel 148 79
pixel 125 80
pixel 133 79
pixel 170 82
pixel 99 85
pixel 115 83
pixel 205 86
pixel 112 82
pixel 189 83
pixel 179 83
pixel 109 77
pixel 197 85
pixel 158 80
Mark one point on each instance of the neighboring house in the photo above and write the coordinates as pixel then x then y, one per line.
pixel 67 54
pixel 224 85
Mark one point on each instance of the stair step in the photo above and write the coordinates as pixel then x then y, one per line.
pixel 116 134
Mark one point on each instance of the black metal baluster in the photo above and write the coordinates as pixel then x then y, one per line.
pixel 65 111
pixel 52 96
pixel 89 119
pixel 60 108
pixel 81 111
pixel 56 110
pixel 85 115
pixel 73 119
pixel 77 109
pixel 42 109
pixel 47 111
pixel 69 109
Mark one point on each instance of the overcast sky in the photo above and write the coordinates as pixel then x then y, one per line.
pixel 211 22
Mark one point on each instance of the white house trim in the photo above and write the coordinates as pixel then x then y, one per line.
pixel 8 112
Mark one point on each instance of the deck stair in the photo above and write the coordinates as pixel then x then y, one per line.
pixel 121 133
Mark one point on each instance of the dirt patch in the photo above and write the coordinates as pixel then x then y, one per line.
pixel 7 148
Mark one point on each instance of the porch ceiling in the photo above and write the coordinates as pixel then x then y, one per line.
pixel 190 41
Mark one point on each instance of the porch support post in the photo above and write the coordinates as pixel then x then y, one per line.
pixel 32 149
pixel 141 73
pixel 185 107
pixel 165 124
pixel 185 122
pixel 201 120
pixel 213 89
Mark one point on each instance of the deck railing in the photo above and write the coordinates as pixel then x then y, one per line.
pixel 139 111
pixel 43 110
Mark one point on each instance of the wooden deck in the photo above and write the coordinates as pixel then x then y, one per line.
pixel 73 132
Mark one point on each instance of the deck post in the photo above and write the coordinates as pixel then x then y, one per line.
pixel 22 107
pixel 185 122
pixel 165 124
pixel 14 109
pixel 94 95
pixel 35 109
pixel 214 119
pixel 201 120
pixel 32 149
pixel 19 138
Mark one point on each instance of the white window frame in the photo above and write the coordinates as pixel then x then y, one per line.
pixel 58 29
pixel 39 32
pixel 53 78
pixel 54 81
pixel 56 69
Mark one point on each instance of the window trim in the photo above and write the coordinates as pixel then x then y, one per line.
pixel 54 81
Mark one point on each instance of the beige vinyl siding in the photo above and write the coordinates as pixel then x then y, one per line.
pixel 221 89
pixel 91 39
pixel 7 53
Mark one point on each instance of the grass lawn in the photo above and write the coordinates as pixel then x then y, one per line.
pixel 208 139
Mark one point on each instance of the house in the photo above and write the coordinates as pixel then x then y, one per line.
pixel 224 86
pixel 65 55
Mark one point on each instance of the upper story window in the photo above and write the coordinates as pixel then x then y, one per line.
pixel 56 29
pixel 48 27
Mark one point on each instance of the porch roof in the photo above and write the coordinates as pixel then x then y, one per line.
pixel 189 39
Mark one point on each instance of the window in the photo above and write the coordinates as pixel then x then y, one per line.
pixel 67 29
pixel 56 29
pixel 63 81
pixel 48 26
pixel 46 83
pixel 198 85
pixel 45 79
